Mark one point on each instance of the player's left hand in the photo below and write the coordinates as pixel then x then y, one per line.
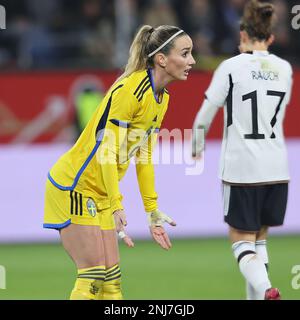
pixel 161 237
pixel 156 219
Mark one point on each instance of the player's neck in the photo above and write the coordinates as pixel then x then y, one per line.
pixel 256 46
pixel 160 80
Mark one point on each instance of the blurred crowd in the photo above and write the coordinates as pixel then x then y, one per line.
pixel 43 34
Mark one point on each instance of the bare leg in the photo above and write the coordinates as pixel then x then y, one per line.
pixel 111 247
pixel 236 235
pixel 263 233
pixel 85 246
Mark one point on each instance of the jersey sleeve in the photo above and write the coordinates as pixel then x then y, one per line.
pixel 121 111
pixel 145 173
pixel 218 89
pixel 145 168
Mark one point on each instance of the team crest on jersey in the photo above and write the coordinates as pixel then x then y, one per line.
pixel 91 206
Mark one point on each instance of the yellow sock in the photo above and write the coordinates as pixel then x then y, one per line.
pixel 89 283
pixel 111 289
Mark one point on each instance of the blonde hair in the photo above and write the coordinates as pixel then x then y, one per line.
pixel 258 20
pixel 146 41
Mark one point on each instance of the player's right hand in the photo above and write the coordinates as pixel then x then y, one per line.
pixel 196 144
pixel 121 223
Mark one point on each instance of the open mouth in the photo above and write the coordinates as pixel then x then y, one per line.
pixel 186 72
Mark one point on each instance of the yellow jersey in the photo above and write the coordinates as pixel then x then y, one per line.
pixel 124 125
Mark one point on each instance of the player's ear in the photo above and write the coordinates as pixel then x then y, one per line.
pixel 161 60
pixel 271 39
pixel 244 36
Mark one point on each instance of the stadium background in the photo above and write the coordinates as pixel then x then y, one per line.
pixel 48 56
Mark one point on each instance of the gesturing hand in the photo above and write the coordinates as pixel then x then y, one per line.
pixel 156 219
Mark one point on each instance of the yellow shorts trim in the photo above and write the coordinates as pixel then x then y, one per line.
pixel 65 207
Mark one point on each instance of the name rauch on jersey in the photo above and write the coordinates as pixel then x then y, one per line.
pixel 265 75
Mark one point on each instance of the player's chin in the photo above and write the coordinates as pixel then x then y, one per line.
pixel 182 76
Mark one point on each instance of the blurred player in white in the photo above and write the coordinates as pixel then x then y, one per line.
pixel 254 88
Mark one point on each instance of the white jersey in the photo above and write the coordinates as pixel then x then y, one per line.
pixel 255 89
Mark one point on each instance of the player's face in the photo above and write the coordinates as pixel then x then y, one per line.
pixel 180 60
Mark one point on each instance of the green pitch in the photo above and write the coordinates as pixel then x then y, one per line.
pixel 192 269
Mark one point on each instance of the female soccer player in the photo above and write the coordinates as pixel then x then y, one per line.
pixel 82 198
pixel 255 88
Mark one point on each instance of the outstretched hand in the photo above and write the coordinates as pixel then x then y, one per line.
pixel 156 219
pixel 161 237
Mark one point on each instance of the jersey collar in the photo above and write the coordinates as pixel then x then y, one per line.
pixel 158 98
pixel 258 52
